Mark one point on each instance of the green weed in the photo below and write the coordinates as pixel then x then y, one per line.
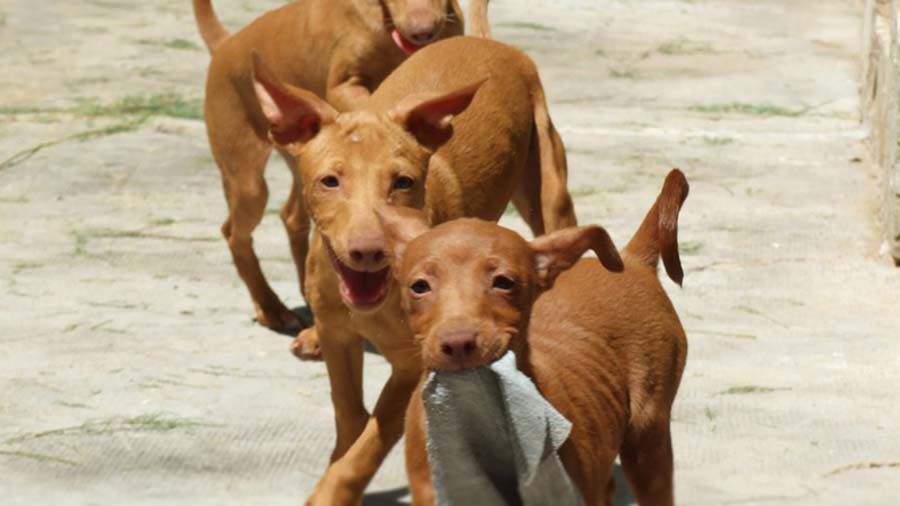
pixel 623 74
pixel 39 457
pixel 171 43
pixel 746 108
pixel 749 389
pixel 528 26
pixel 717 141
pixel 685 47
pixel 152 422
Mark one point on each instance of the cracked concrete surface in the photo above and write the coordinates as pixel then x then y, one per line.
pixel 132 371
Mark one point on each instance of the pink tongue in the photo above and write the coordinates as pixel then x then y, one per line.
pixel 407 46
pixel 363 287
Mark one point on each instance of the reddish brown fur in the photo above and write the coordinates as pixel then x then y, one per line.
pixel 499 145
pixel 338 49
pixel 605 348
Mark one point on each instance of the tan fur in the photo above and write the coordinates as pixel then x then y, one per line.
pixel 466 145
pixel 478 26
pixel 606 348
pixel 338 49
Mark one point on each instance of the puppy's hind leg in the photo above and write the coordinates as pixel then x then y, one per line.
pixel 296 222
pixel 646 458
pixel 242 167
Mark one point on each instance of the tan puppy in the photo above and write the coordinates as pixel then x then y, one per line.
pixel 407 147
pixel 603 343
pixel 338 49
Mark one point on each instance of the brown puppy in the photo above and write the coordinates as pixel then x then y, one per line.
pixel 338 49
pixel 407 147
pixel 605 348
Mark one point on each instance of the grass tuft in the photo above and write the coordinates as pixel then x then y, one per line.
pixel 152 422
pixel 749 389
pixel 685 47
pixel 39 457
pixel 142 106
pixel 690 247
pixel 528 26
pixel 171 43
pixel 746 108
pixel 623 74
pixel 717 141
pixel 163 104
pixel 163 222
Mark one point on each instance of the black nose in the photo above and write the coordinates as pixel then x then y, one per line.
pixel 458 345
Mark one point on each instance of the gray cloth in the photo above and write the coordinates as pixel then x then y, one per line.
pixel 492 439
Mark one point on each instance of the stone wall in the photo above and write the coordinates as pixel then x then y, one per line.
pixel 880 94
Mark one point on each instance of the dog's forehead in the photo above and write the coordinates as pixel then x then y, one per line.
pixel 362 138
pixel 410 4
pixel 467 241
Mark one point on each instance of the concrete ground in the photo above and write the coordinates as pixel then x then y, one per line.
pixel 132 372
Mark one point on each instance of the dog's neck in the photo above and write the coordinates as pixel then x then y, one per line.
pixel 520 346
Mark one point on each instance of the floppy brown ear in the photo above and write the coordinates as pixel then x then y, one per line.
pixel 556 252
pixel 401 225
pixel 427 116
pixel 294 114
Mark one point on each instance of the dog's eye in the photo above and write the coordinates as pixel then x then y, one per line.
pixel 504 283
pixel 330 182
pixel 419 287
pixel 403 183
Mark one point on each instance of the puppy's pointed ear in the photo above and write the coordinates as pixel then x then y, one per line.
pixel 401 225
pixel 427 116
pixel 556 252
pixel 294 114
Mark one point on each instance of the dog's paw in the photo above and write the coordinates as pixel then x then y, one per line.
pixel 277 318
pixel 306 345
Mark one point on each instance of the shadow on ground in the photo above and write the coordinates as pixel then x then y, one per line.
pixel 387 497
pixel 400 495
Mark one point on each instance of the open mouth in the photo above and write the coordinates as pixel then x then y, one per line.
pixel 406 45
pixel 364 290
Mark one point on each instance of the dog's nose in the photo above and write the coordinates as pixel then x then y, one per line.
pixel 422 27
pixel 368 258
pixel 458 345
pixel 366 251
pixel 422 36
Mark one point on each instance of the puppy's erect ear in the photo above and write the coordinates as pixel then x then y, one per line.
pixel 427 116
pixel 401 225
pixel 555 253
pixel 294 115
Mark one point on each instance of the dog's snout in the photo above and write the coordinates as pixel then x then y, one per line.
pixel 369 258
pixel 422 27
pixel 367 253
pixel 458 345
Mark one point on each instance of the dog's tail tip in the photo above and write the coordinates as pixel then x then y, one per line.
pixel 211 29
pixel 478 19
pixel 658 234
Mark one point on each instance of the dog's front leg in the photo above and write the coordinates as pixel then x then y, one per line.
pixel 346 478
pixel 343 354
pixel 417 467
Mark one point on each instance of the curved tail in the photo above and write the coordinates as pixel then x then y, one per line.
pixel 478 20
pixel 658 234
pixel 557 209
pixel 210 27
